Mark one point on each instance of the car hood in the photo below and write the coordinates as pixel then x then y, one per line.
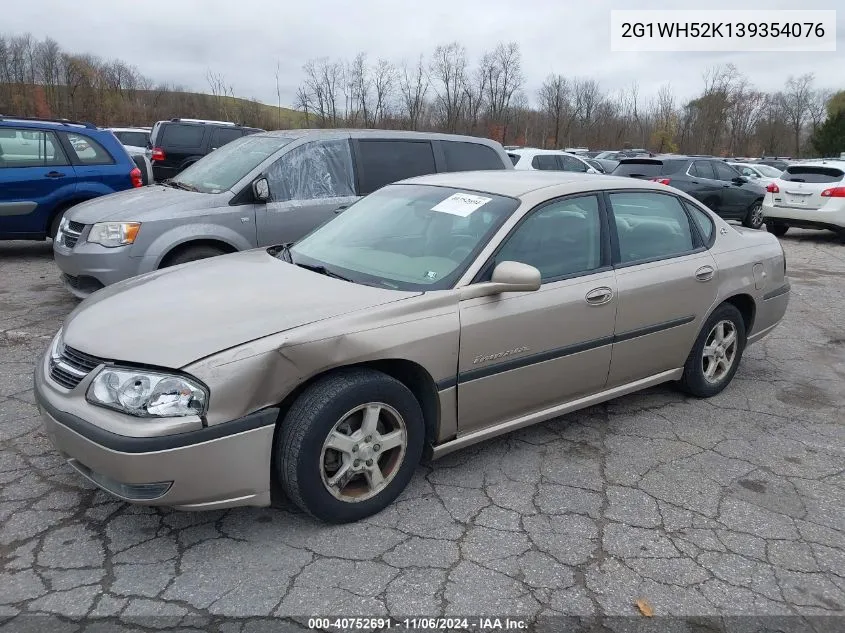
pixel 144 203
pixel 175 316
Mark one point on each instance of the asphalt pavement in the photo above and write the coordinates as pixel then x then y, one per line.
pixel 733 506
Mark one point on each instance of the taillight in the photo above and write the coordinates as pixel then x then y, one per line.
pixel 136 177
pixel 834 192
pixel 158 154
pixel 772 188
pixel 662 181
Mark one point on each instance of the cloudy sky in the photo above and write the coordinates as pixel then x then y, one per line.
pixel 178 41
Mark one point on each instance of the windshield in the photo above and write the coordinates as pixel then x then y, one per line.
pixel 767 171
pixel 407 237
pixel 221 169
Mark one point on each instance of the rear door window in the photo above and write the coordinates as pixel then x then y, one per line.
pixel 812 174
pixel 461 156
pixel 724 172
pixel 639 168
pixel 703 169
pixel 179 135
pixel 223 135
pixel 382 162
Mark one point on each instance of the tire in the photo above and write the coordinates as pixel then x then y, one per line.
pixel 694 381
pixel 304 464
pixel 57 219
pixel 192 254
pixel 778 229
pixel 754 217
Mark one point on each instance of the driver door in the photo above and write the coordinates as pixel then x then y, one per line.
pixel 524 352
pixel 308 184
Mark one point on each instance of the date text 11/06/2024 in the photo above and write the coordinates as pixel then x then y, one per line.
pixel 419 624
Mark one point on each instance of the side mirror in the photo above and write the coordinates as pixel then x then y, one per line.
pixel 261 190
pixel 507 277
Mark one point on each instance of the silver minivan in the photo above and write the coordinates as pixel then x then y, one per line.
pixel 259 190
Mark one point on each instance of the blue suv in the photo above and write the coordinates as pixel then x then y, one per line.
pixel 47 166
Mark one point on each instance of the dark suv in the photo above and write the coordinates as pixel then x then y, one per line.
pixel 178 143
pixel 710 180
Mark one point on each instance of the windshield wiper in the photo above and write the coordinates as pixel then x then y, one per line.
pixel 322 270
pixel 177 184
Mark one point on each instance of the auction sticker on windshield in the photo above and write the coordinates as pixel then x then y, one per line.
pixel 461 204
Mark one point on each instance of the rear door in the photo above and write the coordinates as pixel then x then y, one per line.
pixel 308 185
pixel 804 184
pixel 95 164
pixel 381 162
pixel 35 176
pixel 704 185
pixel 666 281
pixel 736 197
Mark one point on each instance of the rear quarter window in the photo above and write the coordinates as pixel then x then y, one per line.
pixel 177 135
pixel 386 161
pixel 461 156
pixel 812 174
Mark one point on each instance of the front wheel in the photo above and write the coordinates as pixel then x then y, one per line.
pixel 715 356
pixel 754 217
pixel 349 445
pixel 192 254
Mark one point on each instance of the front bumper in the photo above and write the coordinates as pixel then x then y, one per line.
pixel 219 466
pixel 88 267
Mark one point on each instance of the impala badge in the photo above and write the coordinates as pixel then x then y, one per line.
pixel 488 357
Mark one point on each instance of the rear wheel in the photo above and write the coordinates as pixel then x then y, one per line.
pixel 754 217
pixel 715 356
pixel 778 229
pixel 349 445
pixel 56 221
pixel 192 254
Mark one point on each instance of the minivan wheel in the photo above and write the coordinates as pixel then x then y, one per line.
pixel 754 218
pixel 192 254
pixel 778 229
pixel 349 445
pixel 715 356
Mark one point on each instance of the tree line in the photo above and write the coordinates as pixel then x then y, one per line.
pixel 445 91
pixel 442 91
pixel 38 78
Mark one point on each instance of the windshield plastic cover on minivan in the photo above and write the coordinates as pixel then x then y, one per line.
pixel 220 170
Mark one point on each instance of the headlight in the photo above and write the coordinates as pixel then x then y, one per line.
pixel 147 394
pixel 112 234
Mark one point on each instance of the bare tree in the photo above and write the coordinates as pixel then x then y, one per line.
pixel 278 93
pixel 502 79
pixel 413 86
pixel 448 74
pixel 796 99
pixel 384 84
pixel 554 102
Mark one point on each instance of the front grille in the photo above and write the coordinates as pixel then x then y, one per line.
pixel 72 366
pixel 72 232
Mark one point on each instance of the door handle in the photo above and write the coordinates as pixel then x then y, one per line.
pixel 705 273
pixel 695 182
pixel 599 296
pixel 54 174
pixel 341 209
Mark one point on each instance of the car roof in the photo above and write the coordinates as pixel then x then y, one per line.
pixel 128 129
pixel 40 124
pixel 534 151
pixel 820 162
pixel 515 183
pixel 380 134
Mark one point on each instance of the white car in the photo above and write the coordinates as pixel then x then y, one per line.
pixel 760 174
pixel 808 195
pixel 136 141
pixel 550 160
